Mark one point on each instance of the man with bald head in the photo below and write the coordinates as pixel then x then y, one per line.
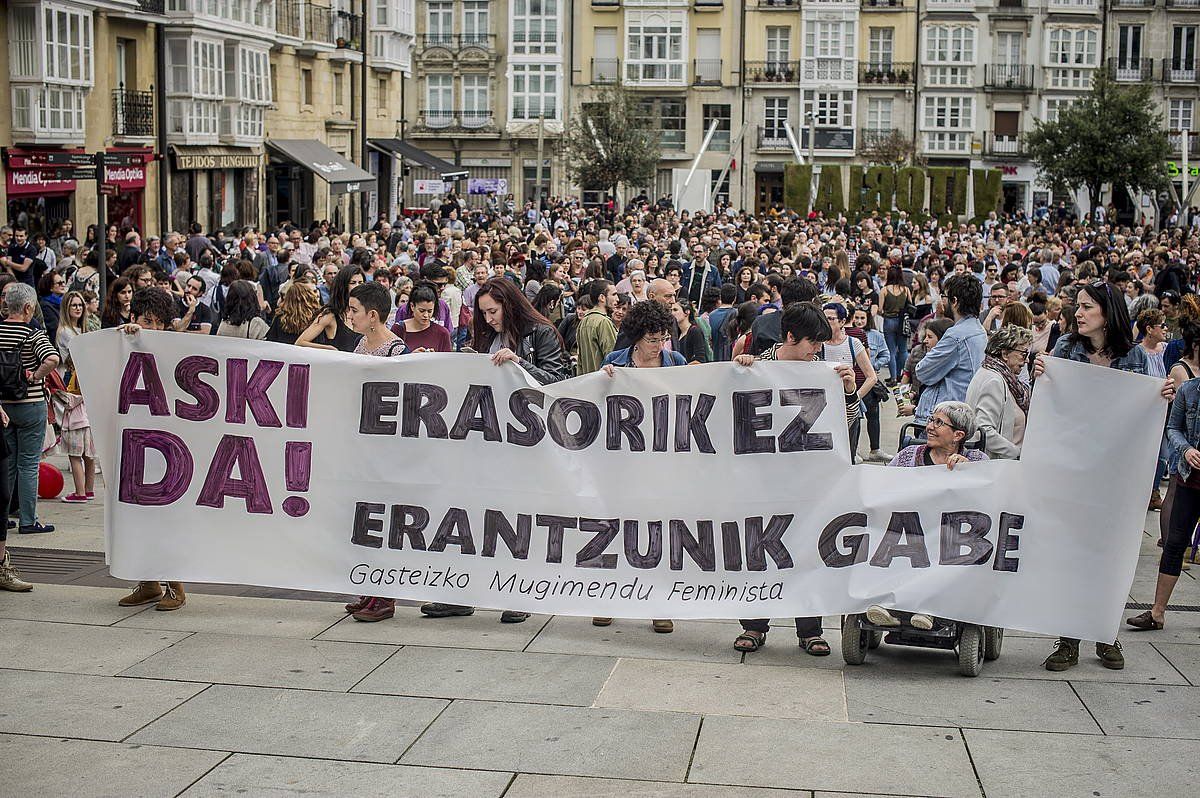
pixel 663 292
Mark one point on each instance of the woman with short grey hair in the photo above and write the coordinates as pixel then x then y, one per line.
pixel 1141 304
pixel 998 394
pixel 950 426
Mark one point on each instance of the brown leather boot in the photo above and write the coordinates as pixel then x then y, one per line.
pixel 380 609
pixel 144 593
pixel 174 598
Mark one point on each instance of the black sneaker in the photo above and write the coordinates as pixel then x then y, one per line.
pixel 36 528
pixel 436 609
pixel 512 616
pixel 12 523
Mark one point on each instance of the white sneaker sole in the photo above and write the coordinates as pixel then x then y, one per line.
pixel 922 622
pixel 881 617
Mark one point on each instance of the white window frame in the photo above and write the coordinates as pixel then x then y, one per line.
pixel 1181 114
pixel 881 47
pixel 534 27
pixel 476 100
pixel 254 76
pixel 527 104
pixel 656 48
pixel 439 19
pixel 476 20
pixel 777 111
pixel 830 109
pixel 24 51
pixel 779 44
pixel 439 99
pixel 68 45
pixel 880 114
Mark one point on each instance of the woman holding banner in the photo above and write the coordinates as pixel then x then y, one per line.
pixel 1103 337
pixel 649 326
pixel 367 312
pixel 805 330
pixel 505 326
pixel 998 394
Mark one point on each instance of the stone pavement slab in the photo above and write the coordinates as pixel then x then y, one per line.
pixel 87 707
pixel 783 649
pixel 691 640
pixel 410 628
pixel 527 786
pixel 491 676
pixel 234 615
pixel 1144 710
pixel 48 766
pixel 1018 765
pixel 841 757
pixel 76 648
pixel 71 604
pixel 877 696
pixel 569 741
pixel 284 777
pixel 265 662
pixel 259 720
pixel 1184 658
pixel 710 688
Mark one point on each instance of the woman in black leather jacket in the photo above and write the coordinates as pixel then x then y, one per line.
pixel 508 328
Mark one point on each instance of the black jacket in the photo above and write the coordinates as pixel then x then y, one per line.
pixel 542 356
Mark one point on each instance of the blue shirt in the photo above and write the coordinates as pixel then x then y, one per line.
pixel 1050 277
pixel 947 369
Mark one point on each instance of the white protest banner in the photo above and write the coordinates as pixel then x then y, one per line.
pixel 711 491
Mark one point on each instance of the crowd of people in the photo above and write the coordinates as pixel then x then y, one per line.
pixel 946 326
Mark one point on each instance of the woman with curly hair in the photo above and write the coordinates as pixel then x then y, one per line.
pixel 649 326
pixel 297 309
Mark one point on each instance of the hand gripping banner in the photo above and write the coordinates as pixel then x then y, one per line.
pixel 711 491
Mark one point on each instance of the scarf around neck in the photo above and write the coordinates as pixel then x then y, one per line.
pixel 1020 390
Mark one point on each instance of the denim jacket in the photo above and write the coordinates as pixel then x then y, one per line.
pixel 947 369
pixel 1135 359
pixel 881 358
pixel 1183 426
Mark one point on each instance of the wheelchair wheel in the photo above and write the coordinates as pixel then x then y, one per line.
pixel 970 650
pixel 855 641
pixel 993 639
pixel 876 639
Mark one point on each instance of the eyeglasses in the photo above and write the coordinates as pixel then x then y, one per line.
pixel 58 282
pixel 656 341
pixel 938 423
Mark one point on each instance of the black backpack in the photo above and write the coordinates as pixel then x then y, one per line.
pixel 13 385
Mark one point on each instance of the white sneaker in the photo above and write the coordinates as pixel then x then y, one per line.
pixel 922 622
pixel 10 580
pixel 879 456
pixel 881 617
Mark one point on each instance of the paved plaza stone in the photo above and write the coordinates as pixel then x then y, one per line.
pixel 265 692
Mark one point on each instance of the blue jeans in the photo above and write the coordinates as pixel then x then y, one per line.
pixel 25 434
pixel 897 344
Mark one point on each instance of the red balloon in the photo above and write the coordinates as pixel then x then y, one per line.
pixel 50 481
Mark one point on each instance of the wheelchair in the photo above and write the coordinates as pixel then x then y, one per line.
pixel 974 644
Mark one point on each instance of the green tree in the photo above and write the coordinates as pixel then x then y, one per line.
pixel 611 142
pixel 1112 135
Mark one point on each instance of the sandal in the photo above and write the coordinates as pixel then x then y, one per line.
pixel 816 646
pixel 1145 622
pixel 749 642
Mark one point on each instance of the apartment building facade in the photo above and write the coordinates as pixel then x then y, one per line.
pixel 1155 42
pixel 489 98
pixel 78 80
pixel 681 57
